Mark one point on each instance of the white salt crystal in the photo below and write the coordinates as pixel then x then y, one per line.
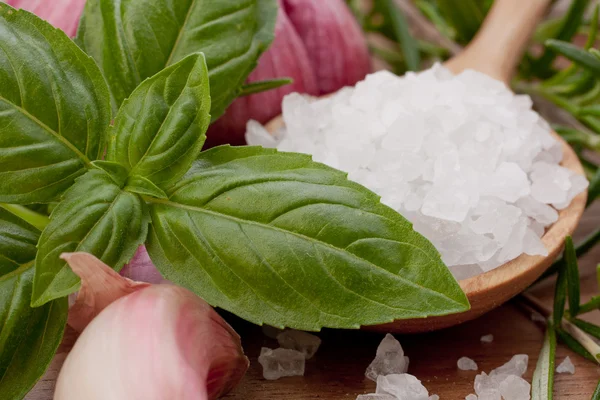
pixel 516 366
pixel 279 363
pixel 374 396
pixel 434 397
pixel 402 386
pixel 487 338
pixel 566 366
pixel 471 397
pixel 486 387
pixel 436 147
pixel 259 135
pixel 515 388
pixel 300 341
pixel 466 364
pixel 389 359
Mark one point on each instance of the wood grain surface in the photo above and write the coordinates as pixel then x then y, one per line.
pixel 337 371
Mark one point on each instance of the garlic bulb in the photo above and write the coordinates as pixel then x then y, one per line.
pixel 318 44
pixel 155 342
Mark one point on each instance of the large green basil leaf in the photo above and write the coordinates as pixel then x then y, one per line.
pixel 134 39
pixel 29 336
pixel 279 239
pixel 54 109
pixel 17 242
pixel 159 131
pixel 95 216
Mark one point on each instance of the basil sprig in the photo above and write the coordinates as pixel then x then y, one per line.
pixel 273 237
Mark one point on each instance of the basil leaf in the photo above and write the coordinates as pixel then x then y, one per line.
pixel 29 336
pixel 279 239
pixel 134 39
pixel 95 216
pixel 159 131
pixel 17 242
pixel 54 109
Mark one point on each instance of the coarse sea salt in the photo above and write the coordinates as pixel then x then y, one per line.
pixel 389 359
pixel 566 366
pixel 468 162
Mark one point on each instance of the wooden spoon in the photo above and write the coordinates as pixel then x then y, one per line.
pixel 496 51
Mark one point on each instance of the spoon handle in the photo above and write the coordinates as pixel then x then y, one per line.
pixel 500 43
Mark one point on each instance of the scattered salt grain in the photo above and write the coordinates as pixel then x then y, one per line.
pixel 402 386
pixel 471 397
pixel 469 163
pixel 466 364
pixel 566 366
pixel 434 397
pixel 389 359
pixel 487 339
pixel 515 388
pixel 505 381
pixel 516 366
pixel 374 396
pixel 279 363
pixel 301 341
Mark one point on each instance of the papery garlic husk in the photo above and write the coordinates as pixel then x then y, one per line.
pixel 63 14
pixel 159 342
pixel 334 41
pixel 286 58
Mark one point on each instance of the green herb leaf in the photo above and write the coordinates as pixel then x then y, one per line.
pixel 596 395
pixel 263 86
pixel 54 109
pixel 465 16
pixel 133 40
pixel 410 49
pixel 542 385
pixel 17 242
pixel 576 54
pixel 574 344
pixel 159 131
pixel 587 327
pixel 29 336
pixel 560 294
pixel 572 272
pixel 279 239
pixel 95 216
pixel 141 185
pixel 568 29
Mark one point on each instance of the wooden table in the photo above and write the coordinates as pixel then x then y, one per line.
pixel 337 371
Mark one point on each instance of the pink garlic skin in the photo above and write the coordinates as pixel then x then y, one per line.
pixel 63 14
pixel 158 342
pixel 318 44
pixel 142 269
pixel 334 41
pixel 287 57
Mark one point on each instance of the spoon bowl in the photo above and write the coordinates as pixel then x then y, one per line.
pixel 496 51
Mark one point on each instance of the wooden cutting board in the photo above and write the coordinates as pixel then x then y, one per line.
pixel 337 371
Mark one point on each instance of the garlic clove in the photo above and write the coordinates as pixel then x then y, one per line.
pixel 159 342
pixel 142 269
pixel 63 14
pixel 100 286
pixel 287 57
pixel 334 41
